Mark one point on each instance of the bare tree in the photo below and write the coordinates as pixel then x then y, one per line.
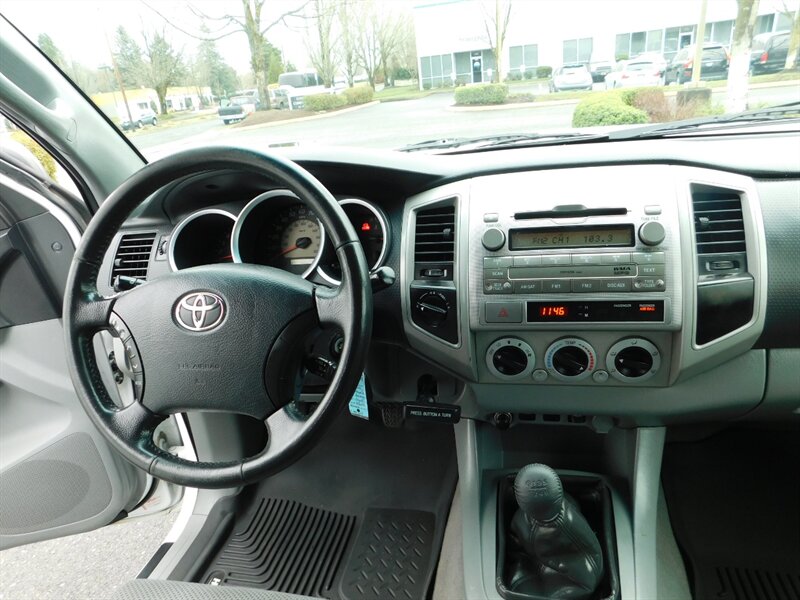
pixel 738 71
pixel 368 39
pixel 321 42
pixel 496 18
pixel 347 17
pixel 253 23
pixel 794 40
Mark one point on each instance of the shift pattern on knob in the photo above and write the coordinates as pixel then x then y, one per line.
pixel 566 560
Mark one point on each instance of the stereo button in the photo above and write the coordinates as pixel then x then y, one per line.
pixel 586 285
pixel 651 270
pixel 496 286
pixel 652 258
pixel 556 260
pixel 587 259
pixel 617 258
pixel 527 287
pixel 497 262
pixel 527 261
pixel 615 285
pixel 649 284
pixel 494 273
pixel 559 286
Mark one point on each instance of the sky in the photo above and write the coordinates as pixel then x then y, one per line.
pixel 78 27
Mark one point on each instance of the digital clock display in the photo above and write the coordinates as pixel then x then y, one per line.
pixel 553 311
pixel 602 236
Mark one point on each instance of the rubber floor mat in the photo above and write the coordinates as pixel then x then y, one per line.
pixel 360 517
pixel 734 503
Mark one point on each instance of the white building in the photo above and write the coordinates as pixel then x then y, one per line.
pixel 453 43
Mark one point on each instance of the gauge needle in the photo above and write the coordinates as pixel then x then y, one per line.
pixel 303 242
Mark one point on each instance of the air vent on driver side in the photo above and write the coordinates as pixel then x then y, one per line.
pixel 133 255
pixel 718 223
pixel 434 242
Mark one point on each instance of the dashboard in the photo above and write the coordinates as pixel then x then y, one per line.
pixel 655 285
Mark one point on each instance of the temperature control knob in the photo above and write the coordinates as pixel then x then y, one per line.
pixel 633 360
pixel 570 359
pixel 652 233
pixel 510 358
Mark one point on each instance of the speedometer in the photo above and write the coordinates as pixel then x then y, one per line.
pixel 278 230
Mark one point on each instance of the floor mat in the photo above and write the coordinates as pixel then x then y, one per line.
pixel 361 516
pixel 734 503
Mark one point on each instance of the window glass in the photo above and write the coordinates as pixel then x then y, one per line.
pixel 638 43
pixel 722 32
pixel 570 53
pixel 764 24
pixel 623 46
pixel 654 40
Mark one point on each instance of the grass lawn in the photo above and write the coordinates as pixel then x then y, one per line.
pixel 407 92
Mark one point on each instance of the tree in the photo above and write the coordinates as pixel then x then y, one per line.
pixel 496 18
pixel 162 66
pixel 368 39
pixel 129 58
pixel 738 71
pixel 252 24
pixel 794 43
pixel 321 43
pixel 347 21
pixel 48 46
pixel 210 69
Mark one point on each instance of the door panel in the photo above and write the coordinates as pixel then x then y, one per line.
pixel 58 476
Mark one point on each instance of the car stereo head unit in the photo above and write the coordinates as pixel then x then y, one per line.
pixel 571 263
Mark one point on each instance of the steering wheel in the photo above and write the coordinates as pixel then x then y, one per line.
pixel 217 337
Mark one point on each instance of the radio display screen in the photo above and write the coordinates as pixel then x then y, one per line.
pixel 592 236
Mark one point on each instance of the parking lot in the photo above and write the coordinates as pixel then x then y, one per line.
pixel 391 125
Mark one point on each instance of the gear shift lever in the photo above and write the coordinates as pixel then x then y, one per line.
pixel 551 529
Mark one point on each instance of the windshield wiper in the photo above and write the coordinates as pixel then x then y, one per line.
pixel 772 113
pixel 498 142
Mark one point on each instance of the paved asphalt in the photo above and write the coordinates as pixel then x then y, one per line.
pixel 89 566
pixel 391 125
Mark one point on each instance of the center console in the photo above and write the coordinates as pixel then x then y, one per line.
pixel 582 291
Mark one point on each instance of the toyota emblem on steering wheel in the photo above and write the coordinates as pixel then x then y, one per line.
pixel 199 311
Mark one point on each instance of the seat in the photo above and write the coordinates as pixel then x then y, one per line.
pixel 158 589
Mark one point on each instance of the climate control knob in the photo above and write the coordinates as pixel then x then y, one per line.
pixel 510 358
pixel 570 359
pixel 433 308
pixel 633 360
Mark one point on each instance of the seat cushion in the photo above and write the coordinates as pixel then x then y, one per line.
pixel 159 589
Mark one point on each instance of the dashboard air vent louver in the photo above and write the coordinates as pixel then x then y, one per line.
pixel 718 221
pixel 133 255
pixel 434 240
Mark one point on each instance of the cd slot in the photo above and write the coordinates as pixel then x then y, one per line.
pixel 570 213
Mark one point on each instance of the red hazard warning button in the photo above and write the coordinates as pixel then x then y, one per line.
pixel 503 312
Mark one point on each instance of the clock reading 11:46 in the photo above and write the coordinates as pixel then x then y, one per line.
pixel 553 310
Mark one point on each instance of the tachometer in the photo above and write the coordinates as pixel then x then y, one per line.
pixel 278 230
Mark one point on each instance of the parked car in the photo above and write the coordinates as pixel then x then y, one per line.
pixel 769 52
pixel 600 68
pixel 635 73
pixel 571 77
pixel 237 108
pixel 279 98
pixel 141 117
pixel 715 64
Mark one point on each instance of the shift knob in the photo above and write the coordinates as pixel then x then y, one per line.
pixel 539 492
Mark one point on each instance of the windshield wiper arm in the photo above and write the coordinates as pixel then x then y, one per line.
pixel 772 113
pixel 496 142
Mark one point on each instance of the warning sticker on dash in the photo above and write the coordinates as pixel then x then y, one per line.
pixel 358 403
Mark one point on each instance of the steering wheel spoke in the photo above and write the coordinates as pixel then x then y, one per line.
pixel 134 423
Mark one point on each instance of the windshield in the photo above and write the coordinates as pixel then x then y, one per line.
pixel 388 74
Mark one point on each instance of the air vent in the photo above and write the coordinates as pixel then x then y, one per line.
pixel 718 221
pixel 133 255
pixel 434 241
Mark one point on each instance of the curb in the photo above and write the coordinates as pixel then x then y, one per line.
pixel 511 106
pixel 323 115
